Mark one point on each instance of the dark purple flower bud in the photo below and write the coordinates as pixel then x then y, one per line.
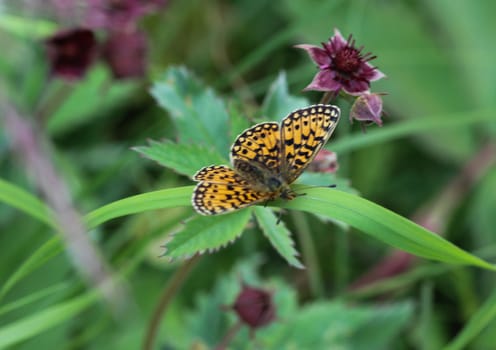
pixel 125 53
pixel 367 108
pixel 71 52
pixel 341 66
pixel 324 162
pixel 254 307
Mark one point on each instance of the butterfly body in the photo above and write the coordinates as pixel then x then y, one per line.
pixel 266 159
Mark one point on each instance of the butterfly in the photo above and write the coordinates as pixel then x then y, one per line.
pixel 266 159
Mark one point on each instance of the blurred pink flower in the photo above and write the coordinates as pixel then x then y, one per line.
pixel 71 52
pixel 325 162
pixel 125 54
pixel 119 14
pixel 367 108
pixel 341 66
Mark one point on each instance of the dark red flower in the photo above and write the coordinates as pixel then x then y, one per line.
pixel 71 52
pixel 341 66
pixel 367 108
pixel 125 54
pixel 254 307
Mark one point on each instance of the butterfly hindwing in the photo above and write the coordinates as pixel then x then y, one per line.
pixel 220 198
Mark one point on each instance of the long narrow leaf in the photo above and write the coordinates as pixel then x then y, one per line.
pixel 485 314
pixel 20 199
pixel 170 198
pixel 37 323
pixel 382 224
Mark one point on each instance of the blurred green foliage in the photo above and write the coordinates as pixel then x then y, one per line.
pixel 441 115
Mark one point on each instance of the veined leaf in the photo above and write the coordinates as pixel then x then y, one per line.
pixel 203 233
pixel 278 235
pixel 186 159
pixel 198 114
pixel 278 102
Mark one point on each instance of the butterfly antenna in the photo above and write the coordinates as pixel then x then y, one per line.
pixel 314 186
pixel 279 217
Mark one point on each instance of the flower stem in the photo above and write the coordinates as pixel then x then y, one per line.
pixel 168 293
pixel 229 336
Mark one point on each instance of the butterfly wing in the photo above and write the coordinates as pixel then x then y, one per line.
pixel 303 133
pixel 256 153
pixel 221 190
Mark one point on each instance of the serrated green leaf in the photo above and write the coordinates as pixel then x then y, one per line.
pixel 382 224
pixel 278 235
pixel 186 159
pixel 278 102
pixel 203 233
pixel 20 199
pixel 198 114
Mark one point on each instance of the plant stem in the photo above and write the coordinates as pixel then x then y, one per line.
pixel 168 293
pixel 310 258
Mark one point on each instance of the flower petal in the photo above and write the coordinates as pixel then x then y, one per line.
pixel 318 55
pixel 324 81
pixel 375 73
pixel 356 87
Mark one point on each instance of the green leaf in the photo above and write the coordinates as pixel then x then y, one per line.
pixel 203 233
pixel 41 294
pixel 186 159
pixel 238 123
pixel 278 235
pixel 26 27
pixel 44 253
pixel 382 224
pixel 278 102
pixel 326 180
pixel 98 97
pixel 26 202
pixel 199 116
pixel 47 318
pixel 484 315
pixel 170 198
pixel 383 325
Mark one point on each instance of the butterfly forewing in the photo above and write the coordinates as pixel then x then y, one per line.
pixel 303 133
pixel 260 146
